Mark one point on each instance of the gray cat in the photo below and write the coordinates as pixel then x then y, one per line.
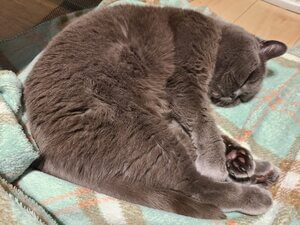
pixel 119 102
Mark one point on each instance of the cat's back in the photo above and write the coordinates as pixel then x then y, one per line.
pixel 102 35
pixel 106 39
pixel 96 62
pixel 116 56
pixel 112 43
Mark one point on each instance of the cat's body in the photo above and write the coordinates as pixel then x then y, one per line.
pixel 119 103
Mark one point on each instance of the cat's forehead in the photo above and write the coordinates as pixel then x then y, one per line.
pixel 242 45
pixel 238 37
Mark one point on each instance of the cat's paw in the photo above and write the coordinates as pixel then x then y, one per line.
pixel 239 162
pixel 255 200
pixel 265 173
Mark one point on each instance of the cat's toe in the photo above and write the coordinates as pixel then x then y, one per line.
pixel 239 162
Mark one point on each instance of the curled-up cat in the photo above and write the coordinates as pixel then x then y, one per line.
pixel 119 103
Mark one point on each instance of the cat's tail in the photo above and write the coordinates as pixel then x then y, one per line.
pixel 164 199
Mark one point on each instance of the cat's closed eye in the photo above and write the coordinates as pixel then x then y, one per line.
pixel 252 78
pixel 256 76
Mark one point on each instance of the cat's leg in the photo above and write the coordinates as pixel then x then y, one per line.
pixel 239 161
pixel 195 58
pixel 210 161
pixel 232 196
pixel 191 109
pixel 228 196
pixel 243 168
pixel 160 173
pixel 198 197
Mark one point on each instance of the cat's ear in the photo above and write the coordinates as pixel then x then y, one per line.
pixel 271 49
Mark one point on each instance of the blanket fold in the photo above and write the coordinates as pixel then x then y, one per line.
pixel 16 155
pixel 16 152
pixel 18 209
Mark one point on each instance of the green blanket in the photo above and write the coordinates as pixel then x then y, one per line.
pixel 269 124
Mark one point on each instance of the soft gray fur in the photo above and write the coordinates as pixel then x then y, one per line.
pixel 240 67
pixel 119 103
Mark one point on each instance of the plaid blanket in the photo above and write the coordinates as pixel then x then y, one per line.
pixel 16 154
pixel 269 124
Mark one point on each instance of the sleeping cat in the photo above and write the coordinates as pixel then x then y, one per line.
pixel 119 102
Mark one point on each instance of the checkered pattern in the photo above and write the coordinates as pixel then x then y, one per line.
pixel 269 124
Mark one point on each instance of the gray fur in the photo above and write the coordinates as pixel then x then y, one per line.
pixel 240 67
pixel 119 103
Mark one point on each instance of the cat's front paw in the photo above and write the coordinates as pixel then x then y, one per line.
pixel 239 162
pixel 254 200
pixel 265 173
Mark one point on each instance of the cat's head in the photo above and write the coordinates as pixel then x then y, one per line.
pixel 241 66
